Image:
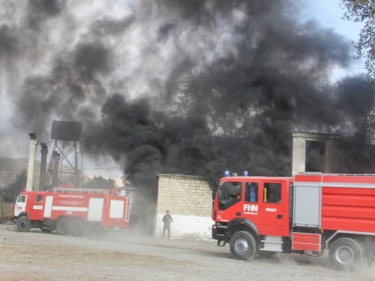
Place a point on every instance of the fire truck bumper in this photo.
(214, 232)
(220, 237)
(218, 233)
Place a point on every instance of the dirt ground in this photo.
(120, 255)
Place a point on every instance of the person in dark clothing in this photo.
(167, 219)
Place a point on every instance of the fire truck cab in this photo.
(304, 214)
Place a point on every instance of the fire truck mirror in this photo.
(213, 193)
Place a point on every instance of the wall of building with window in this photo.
(189, 201)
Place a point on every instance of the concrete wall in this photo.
(189, 201)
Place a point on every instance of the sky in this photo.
(327, 12)
(330, 14)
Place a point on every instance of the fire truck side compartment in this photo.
(307, 204)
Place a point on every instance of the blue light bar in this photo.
(245, 173)
(226, 173)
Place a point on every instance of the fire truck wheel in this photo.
(346, 253)
(77, 228)
(62, 227)
(23, 224)
(242, 245)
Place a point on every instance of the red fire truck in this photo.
(305, 214)
(72, 210)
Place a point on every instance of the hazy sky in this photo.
(329, 14)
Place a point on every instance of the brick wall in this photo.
(189, 201)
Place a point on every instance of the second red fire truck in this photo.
(72, 211)
(308, 213)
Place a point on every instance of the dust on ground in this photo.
(121, 255)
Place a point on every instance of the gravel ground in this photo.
(120, 255)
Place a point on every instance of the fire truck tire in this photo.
(77, 228)
(62, 227)
(23, 224)
(346, 254)
(242, 245)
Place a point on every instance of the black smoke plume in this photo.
(187, 87)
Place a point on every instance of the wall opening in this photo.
(315, 156)
(314, 152)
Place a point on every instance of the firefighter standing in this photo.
(167, 219)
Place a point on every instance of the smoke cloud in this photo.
(188, 87)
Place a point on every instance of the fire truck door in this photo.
(230, 202)
(116, 209)
(48, 207)
(20, 204)
(95, 212)
(38, 206)
(273, 209)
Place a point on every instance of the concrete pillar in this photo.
(43, 166)
(31, 164)
(299, 155)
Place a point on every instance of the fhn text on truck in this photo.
(307, 213)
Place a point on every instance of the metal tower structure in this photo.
(63, 168)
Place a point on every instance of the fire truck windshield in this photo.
(21, 199)
(229, 194)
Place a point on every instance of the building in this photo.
(189, 200)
